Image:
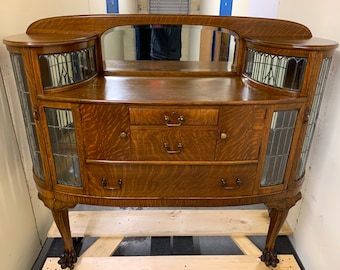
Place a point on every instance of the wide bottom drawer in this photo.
(169, 181)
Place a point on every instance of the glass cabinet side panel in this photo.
(278, 147)
(61, 69)
(285, 72)
(64, 146)
(320, 87)
(26, 106)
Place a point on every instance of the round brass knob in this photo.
(224, 136)
(123, 135)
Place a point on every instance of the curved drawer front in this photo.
(170, 181)
(173, 116)
(155, 143)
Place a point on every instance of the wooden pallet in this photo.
(112, 226)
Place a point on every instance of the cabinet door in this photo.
(106, 131)
(240, 132)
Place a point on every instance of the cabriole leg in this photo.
(60, 215)
(278, 215)
(277, 218)
(69, 258)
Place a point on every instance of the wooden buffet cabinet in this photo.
(231, 125)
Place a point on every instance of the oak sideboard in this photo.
(169, 111)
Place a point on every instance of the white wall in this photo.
(24, 219)
(317, 235)
(127, 6)
(18, 230)
(263, 8)
(209, 7)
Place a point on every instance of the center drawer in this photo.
(170, 144)
(170, 181)
(173, 116)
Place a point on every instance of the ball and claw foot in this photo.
(269, 258)
(68, 259)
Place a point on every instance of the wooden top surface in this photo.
(244, 26)
(47, 39)
(68, 29)
(306, 44)
(168, 91)
(96, 25)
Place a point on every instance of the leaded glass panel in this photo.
(64, 146)
(67, 68)
(25, 101)
(280, 71)
(320, 87)
(278, 148)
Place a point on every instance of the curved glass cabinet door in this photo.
(64, 146)
(26, 107)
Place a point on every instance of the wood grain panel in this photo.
(198, 143)
(156, 116)
(243, 126)
(102, 126)
(254, 27)
(216, 262)
(169, 181)
(160, 222)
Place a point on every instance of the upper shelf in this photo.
(170, 90)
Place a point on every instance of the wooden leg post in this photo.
(278, 214)
(277, 218)
(69, 258)
(60, 215)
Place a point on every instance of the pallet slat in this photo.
(239, 262)
(246, 246)
(168, 223)
(103, 247)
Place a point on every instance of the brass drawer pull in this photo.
(104, 184)
(167, 148)
(238, 184)
(167, 121)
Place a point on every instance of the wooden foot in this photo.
(269, 258)
(67, 260)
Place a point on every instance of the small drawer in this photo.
(173, 116)
(170, 181)
(184, 143)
